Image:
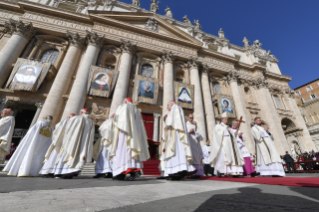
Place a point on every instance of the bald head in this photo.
(6, 112)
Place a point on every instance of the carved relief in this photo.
(154, 6)
(168, 57)
(168, 12)
(127, 46)
(93, 39)
(99, 113)
(75, 39)
(19, 28)
(152, 24)
(193, 63)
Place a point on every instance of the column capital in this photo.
(156, 115)
(168, 57)
(261, 82)
(127, 47)
(232, 76)
(75, 39)
(94, 40)
(205, 70)
(193, 63)
(39, 104)
(19, 28)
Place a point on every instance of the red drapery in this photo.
(149, 126)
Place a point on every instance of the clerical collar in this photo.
(207, 145)
(234, 128)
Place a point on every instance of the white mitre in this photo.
(225, 115)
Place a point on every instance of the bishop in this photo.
(7, 123)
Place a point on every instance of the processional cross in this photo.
(239, 123)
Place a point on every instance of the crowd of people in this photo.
(122, 147)
(301, 162)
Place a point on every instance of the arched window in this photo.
(216, 88)
(277, 101)
(49, 56)
(110, 62)
(179, 76)
(147, 70)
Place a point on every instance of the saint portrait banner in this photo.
(226, 104)
(28, 75)
(101, 81)
(184, 95)
(145, 90)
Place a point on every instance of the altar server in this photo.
(77, 148)
(177, 152)
(27, 159)
(268, 161)
(194, 139)
(129, 147)
(7, 123)
(225, 155)
(103, 166)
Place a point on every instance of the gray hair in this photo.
(233, 121)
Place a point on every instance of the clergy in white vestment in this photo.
(27, 159)
(103, 166)
(77, 146)
(226, 157)
(177, 152)
(268, 161)
(248, 167)
(194, 139)
(7, 123)
(206, 151)
(54, 150)
(129, 147)
(161, 147)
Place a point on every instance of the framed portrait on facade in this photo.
(145, 90)
(101, 81)
(184, 95)
(226, 104)
(28, 75)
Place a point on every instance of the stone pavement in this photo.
(148, 194)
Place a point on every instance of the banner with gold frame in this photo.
(101, 81)
(184, 95)
(226, 104)
(145, 90)
(28, 75)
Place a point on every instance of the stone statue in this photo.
(152, 24)
(168, 12)
(154, 6)
(197, 25)
(186, 20)
(221, 33)
(136, 3)
(91, 4)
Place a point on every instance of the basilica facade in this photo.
(57, 57)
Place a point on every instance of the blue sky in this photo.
(289, 28)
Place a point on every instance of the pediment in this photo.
(138, 21)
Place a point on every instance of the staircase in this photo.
(151, 167)
(88, 169)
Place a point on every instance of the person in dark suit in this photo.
(290, 162)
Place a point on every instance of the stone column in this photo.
(240, 106)
(157, 117)
(78, 92)
(35, 49)
(199, 113)
(54, 101)
(37, 114)
(21, 33)
(208, 103)
(168, 80)
(3, 104)
(120, 92)
(271, 117)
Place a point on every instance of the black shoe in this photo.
(120, 177)
(109, 175)
(99, 175)
(219, 174)
(161, 178)
(68, 177)
(136, 174)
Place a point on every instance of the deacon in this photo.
(194, 139)
(77, 146)
(27, 159)
(268, 161)
(54, 150)
(225, 155)
(103, 166)
(248, 167)
(7, 123)
(177, 152)
(129, 147)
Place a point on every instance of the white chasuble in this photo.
(100, 152)
(196, 148)
(27, 159)
(225, 155)
(268, 161)
(240, 142)
(54, 149)
(78, 142)
(6, 130)
(129, 147)
(178, 155)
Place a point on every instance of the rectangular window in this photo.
(313, 96)
(309, 88)
(302, 100)
(277, 101)
(297, 93)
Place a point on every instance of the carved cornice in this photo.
(94, 40)
(168, 57)
(127, 47)
(193, 63)
(19, 28)
(205, 70)
(76, 40)
(261, 82)
(232, 76)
